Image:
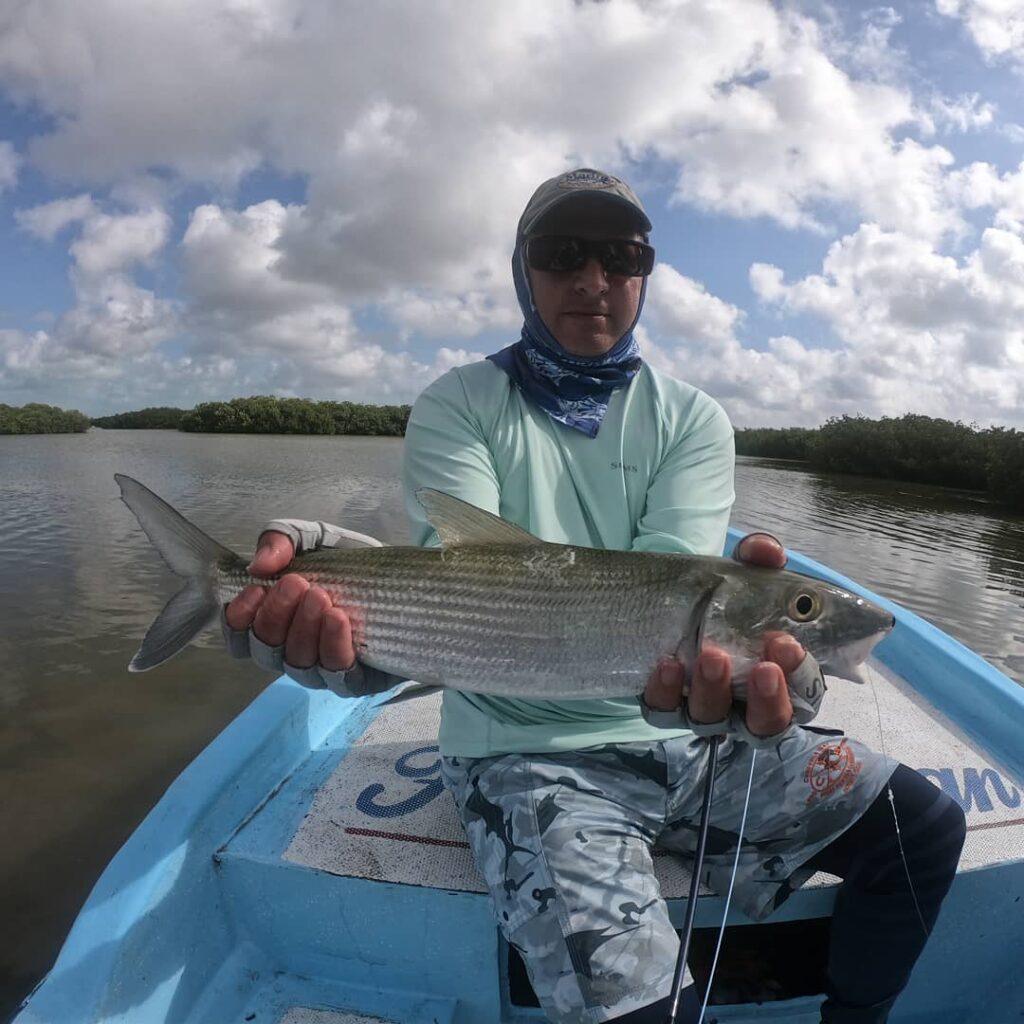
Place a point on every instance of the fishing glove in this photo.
(806, 689)
(358, 681)
(806, 684)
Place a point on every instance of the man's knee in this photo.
(931, 822)
(657, 1013)
(932, 828)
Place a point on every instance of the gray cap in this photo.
(584, 181)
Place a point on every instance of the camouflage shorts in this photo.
(564, 842)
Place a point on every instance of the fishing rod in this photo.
(698, 865)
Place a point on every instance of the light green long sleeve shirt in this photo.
(658, 477)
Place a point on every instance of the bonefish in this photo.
(495, 610)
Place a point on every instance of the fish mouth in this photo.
(848, 661)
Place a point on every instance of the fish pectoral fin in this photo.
(458, 522)
(851, 673)
(411, 690)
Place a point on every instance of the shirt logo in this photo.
(831, 767)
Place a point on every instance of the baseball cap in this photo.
(584, 181)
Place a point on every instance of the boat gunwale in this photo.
(221, 788)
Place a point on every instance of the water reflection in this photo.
(953, 557)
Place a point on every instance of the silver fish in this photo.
(496, 610)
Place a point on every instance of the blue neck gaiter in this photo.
(574, 390)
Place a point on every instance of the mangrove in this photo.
(264, 414)
(155, 417)
(912, 448)
(36, 418)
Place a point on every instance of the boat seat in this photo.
(383, 814)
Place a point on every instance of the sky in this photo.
(206, 199)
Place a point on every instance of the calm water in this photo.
(86, 748)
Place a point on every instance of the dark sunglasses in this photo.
(560, 253)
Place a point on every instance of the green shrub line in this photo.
(259, 414)
(36, 418)
(912, 448)
(265, 414)
(155, 417)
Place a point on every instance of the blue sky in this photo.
(208, 199)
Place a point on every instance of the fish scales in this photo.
(590, 626)
(498, 611)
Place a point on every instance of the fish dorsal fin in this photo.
(458, 522)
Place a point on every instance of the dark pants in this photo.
(877, 933)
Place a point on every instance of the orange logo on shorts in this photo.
(832, 766)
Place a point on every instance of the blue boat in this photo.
(307, 868)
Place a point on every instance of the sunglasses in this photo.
(558, 253)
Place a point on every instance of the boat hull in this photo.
(225, 903)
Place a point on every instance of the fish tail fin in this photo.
(188, 552)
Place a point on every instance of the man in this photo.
(571, 435)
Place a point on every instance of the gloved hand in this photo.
(293, 626)
(786, 688)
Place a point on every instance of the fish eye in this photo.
(804, 605)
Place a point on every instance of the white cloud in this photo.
(680, 307)
(870, 51)
(47, 220)
(296, 336)
(9, 164)
(246, 328)
(292, 334)
(800, 133)
(109, 243)
(113, 317)
(963, 114)
(914, 331)
(692, 334)
(980, 185)
(921, 331)
(996, 26)
(231, 264)
(782, 381)
(411, 174)
(760, 119)
(437, 314)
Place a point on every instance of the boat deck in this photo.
(308, 868)
(360, 859)
(382, 813)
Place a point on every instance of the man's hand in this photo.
(292, 612)
(708, 693)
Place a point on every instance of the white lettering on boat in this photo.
(974, 794)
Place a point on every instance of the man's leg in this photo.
(657, 1013)
(563, 842)
(878, 931)
(808, 791)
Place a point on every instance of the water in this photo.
(86, 748)
(954, 557)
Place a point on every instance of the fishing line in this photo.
(732, 882)
(895, 817)
(698, 866)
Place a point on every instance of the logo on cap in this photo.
(587, 179)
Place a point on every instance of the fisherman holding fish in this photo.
(571, 435)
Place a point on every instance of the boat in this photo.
(307, 868)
